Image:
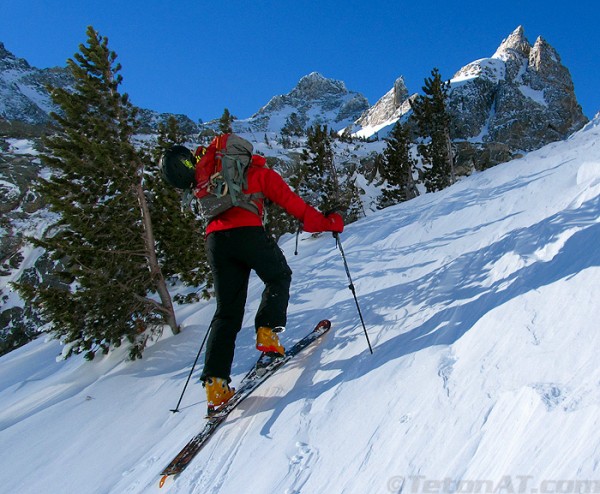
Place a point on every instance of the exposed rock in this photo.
(25, 102)
(389, 109)
(315, 100)
(520, 99)
(532, 104)
(24, 92)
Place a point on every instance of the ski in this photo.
(264, 368)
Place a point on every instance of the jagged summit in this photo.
(23, 89)
(543, 58)
(314, 86)
(315, 100)
(515, 46)
(8, 61)
(4, 53)
(519, 99)
(388, 109)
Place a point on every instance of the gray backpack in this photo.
(221, 177)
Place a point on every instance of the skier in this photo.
(237, 243)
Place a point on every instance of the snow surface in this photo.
(481, 305)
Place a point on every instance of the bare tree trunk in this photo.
(410, 188)
(450, 155)
(161, 285)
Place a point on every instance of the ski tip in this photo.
(324, 324)
(162, 481)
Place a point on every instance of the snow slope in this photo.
(481, 305)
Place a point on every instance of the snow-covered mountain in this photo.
(315, 100)
(392, 106)
(519, 99)
(25, 99)
(522, 96)
(480, 301)
(23, 93)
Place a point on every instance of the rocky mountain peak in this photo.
(315, 100)
(400, 91)
(4, 53)
(518, 100)
(391, 107)
(314, 86)
(544, 59)
(513, 47)
(9, 61)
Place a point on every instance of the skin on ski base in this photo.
(252, 381)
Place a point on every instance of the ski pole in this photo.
(351, 287)
(176, 409)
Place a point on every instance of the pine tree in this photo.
(397, 168)
(179, 238)
(104, 237)
(170, 133)
(433, 123)
(293, 127)
(317, 180)
(225, 122)
(352, 204)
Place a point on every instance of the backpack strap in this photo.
(235, 190)
(251, 202)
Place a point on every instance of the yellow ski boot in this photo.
(218, 393)
(267, 341)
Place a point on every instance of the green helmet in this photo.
(178, 166)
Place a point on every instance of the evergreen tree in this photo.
(104, 237)
(433, 123)
(225, 122)
(169, 133)
(398, 168)
(179, 237)
(317, 180)
(277, 221)
(351, 202)
(293, 127)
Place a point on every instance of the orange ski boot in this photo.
(218, 393)
(267, 341)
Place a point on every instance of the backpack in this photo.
(221, 177)
(178, 166)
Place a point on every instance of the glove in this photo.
(337, 222)
(315, 222)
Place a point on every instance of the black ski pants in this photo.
(232, 255)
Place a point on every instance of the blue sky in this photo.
(198, 57)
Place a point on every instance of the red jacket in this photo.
(273, 187)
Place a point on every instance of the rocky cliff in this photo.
(24, 96)
(522, 97)
(386, 112)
